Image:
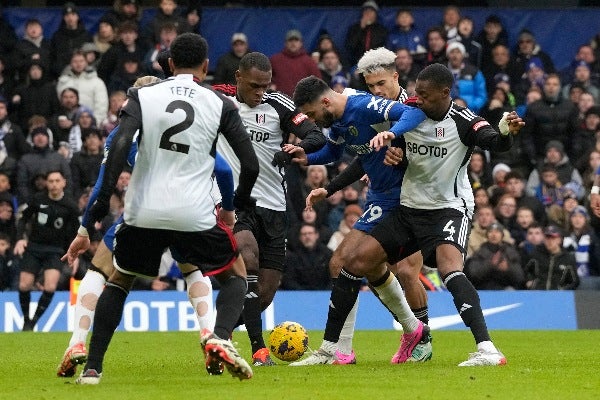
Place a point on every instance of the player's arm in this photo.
(329, 153)
(233, 130)
(116, 157)
(407, 118)
(300, 125)
(224, 177)
(353, 172)
(483, 135)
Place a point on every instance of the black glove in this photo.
(281, 159)
(97, 212)
(244, 203)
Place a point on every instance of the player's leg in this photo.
(26, 281)
(270, 231)
(345, 353)
(466, 300)
(51, 277)
(200, 295)
(407, 271)
(89, 291)
(137, 251)
(390, 241)
(444, 235)
(342, 300)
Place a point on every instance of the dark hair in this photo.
(312, 225)
(53, 171)
(5, 237)
(437, 74)
(70, 89)
(513, 175)
(189, 50)
(163, 60)
(255, 60)
(440, 30)
(309, 89)
(534, 225)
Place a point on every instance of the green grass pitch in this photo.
(151, 365)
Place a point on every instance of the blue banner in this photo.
(171, 311)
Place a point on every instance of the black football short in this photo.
(138, 251)
(406, 230)
(269, 227)
(39, 257)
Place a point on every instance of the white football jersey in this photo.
(171, 183)
(438, 154)
(264, 126)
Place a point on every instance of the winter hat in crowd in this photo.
(69, 8)
(555, 144)
(526, 36)
(495, 226)
(500, 167)
(552, 231)
(535, 62)
(580, 210)
(3, 99)
(40, 130)
(370, 4)
(456, 45)
(339, 80)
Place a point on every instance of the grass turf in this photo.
(154, 365)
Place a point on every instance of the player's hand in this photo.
(513, 122)
(595, 204)
(315, 196)
(382, 139)
(365, 179)
(20, 247)
(298, 154)
(281, 159)
(74, 267)
(227, 217)
(77, 247)
(393, 156)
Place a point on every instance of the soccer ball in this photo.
(288, 341)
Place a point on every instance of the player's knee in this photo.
(335, 265)
(89, 301)
(198, 289)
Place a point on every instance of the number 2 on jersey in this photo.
(165, 138)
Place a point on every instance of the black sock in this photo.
(251, 314)
(466, 301)
(229, 304)
(24, 300)
(343, 296)
(422, 314)
(43, 304)
(109, 311)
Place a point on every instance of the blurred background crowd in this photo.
(61, 91)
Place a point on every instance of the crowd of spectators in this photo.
(60, 93)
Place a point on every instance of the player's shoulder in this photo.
(278, 100)
(459, 113)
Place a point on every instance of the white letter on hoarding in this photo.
(128, 316)
(163, 315)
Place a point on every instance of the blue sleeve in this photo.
(224, 178)
(329, 153)
(98, 184)
(407, 118)
(598, 170)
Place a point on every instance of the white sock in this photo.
(344, 343)
(391, 294)
(199, 289)
(328, 347)
(90, 288)
(487, 347)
